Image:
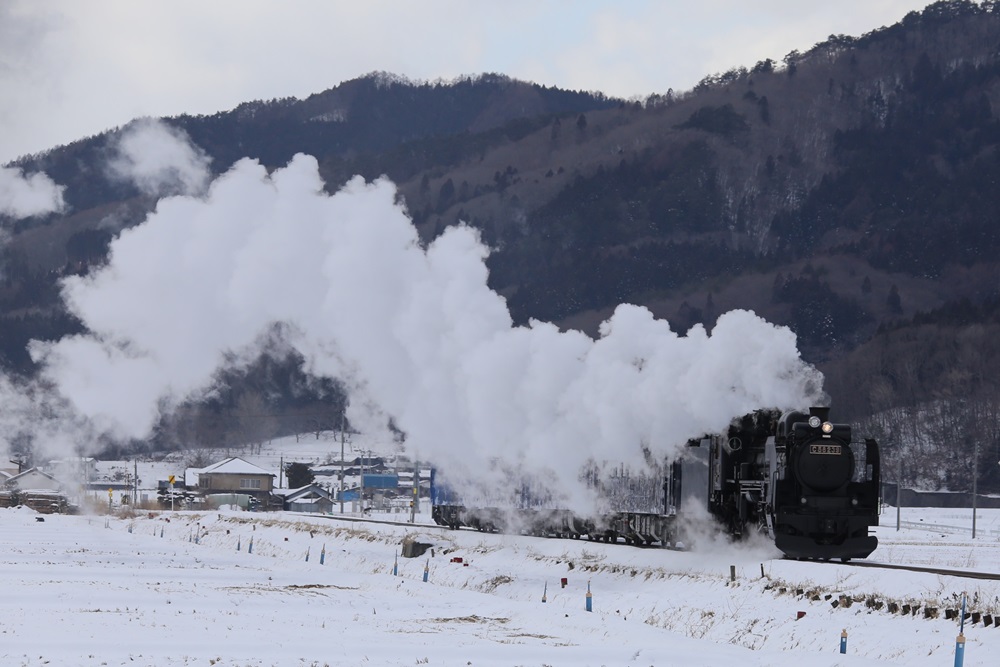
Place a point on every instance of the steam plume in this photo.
(413, 331)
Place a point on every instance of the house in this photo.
(234, 475)
(81, 469)
(309, 498)
(34, 479)
(36, 489)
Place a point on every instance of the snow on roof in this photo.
(308, 501)
(307, 490)
(30, 473)
(235, 466)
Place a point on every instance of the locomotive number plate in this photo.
(824, 449)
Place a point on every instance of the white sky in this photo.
(70, 69)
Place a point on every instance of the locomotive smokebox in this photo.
(822, 413)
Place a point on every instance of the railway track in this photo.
(966, 574)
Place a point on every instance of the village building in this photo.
(310, 498)
(234, 477)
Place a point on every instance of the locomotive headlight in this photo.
(814, 422)
(827, 428)
(854, 501)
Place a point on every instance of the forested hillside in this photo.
(849, 191)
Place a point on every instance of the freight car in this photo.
(639, 509)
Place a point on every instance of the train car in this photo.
(799, 478)
(637, 508)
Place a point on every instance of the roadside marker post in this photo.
(960, 641)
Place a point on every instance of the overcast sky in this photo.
(69, 69)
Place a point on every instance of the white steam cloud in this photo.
(27, 196)
(414, 331)
(159, 159)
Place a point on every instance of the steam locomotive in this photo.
(799, 478)
(796, 477)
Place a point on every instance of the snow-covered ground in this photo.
(186, 589)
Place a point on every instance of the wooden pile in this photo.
(43, 502)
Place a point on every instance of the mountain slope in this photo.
(848, 192)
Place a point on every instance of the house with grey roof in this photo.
(309, 498)
(235, 476)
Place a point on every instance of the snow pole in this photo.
(545, 591)
(307, 554)
(239, 543)
(427, 569)
(590, 599)
(960, 641)
(250, 546)
(843, 641)
(395, 566)
(161, 531)
(322, 555)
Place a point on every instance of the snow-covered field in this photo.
(186, 589)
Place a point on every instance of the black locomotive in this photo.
(795, 477)
(800, 479)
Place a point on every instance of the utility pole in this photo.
(341, 462)
(361, 495)
(415, 505)
(899, 488)
(975, 484)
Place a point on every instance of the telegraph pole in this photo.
(975, 485)
(341, 462)
(415, 505)
(899, 488)
(361, 495)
